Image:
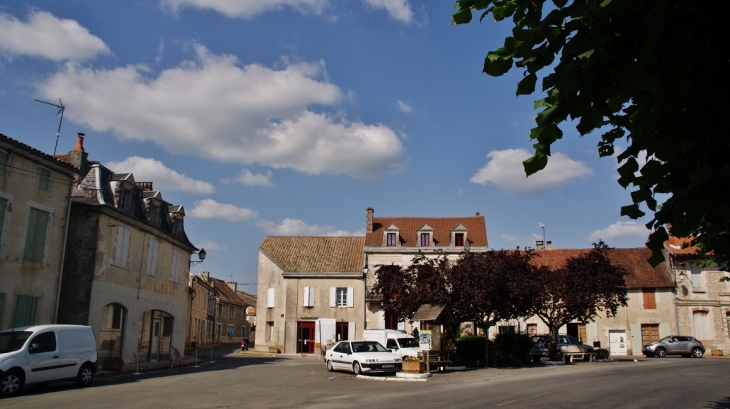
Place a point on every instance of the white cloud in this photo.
(247, 8)
(163, 178)
(399, 10)
(47, 36)
(210, 209)
(405, 106)
(620, 231)
(504, 169)
(246, 177)
(214, 108)
(294, 227)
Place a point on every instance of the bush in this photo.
(512, 349)
(601, 353)
(470, 350)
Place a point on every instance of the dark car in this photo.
(541, 346)
(675, 345)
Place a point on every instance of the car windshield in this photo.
(13, 341)
(408, 342)
(368, 347)
(665, 339)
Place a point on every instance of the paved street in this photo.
(246, 381)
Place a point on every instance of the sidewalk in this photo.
(188, 360)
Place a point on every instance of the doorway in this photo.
(617, 342)
(305, 337)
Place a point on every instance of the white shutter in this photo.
(125, 250)
(351, 330)
(350, 294)
(309, 296)
(270, 298)
(175, 273)
(121, 252)
(333, 296)
(152, 247)
(381, 319)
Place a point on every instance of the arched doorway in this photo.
(155, 336)
(111, 335)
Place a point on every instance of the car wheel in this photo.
(660, 353)
(329, 366)
(85, 376)
(356, 368)
(11, 382)
(697, 353)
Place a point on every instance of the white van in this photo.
(397, 341)
(43, 353)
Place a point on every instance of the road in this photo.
(245, 381)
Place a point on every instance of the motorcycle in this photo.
(244, 345)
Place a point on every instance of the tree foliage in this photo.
(650, 71)
(578, 291)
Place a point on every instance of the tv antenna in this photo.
(61, 108)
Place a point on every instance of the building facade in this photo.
(311, 293)
(231, 323)
(126, 264)
(34, 205)
(201, 326)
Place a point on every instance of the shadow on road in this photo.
(723, 403)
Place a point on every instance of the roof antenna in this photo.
(61, 108)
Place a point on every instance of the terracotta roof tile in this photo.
(641, 273)
(675, 246)
(315, 254)
(226, 293)
(442, 226)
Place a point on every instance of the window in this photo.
(4, 159)
(230, 331)
(649, 333)
(243, 332)
(341, 297)
(308, 297)
(391, 240)
(425, 239)
(121, 252)
(44, 179)
(175, 271)
(270, 298)
(125, 199)
(231, 313)
(45, 342)
(153, 247)
(35, 239)
(696, 277)
(167, 326)
(219, 310)
(25, 307)
(459, 239)
(507, 329)
(649, 299)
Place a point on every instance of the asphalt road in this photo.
(245, 381)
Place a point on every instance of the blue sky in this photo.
(291, 117)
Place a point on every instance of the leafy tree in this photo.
(578, 291)
(651, 71)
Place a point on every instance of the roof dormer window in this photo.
(425, 236)
(458, 236)
(391, 236)
(124, 202)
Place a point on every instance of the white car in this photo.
(362, 357)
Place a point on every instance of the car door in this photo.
(684, 343)
(43, 357)
(342, 356)
(674, 346)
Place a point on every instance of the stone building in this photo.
(231, 323)
(34, 205)
(202, 312)
(126, 264)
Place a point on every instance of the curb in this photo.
(383, 379)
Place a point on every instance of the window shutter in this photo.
(35, 240)
(270, 298)
(350, 294)
(351, 330)
(309, 296)
(25, 308)
(125, 242)
(152, 249)
(649, 299)
(333, 296)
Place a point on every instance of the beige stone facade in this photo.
(34, 205)
(310, 293)
(201, 326)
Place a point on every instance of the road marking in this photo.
(519, 400)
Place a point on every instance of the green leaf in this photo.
(627, 171)
(632, 211)
(527, 85)
(546, 115)
(534, 164)
(641, 195)
(587, 54)
(540, 103)
(496, 65)
(701, 176)
(462, 16)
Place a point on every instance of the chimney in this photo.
(369, 220)
(233, 285)
(205, 275)
(77, 157)
(539, 245)
(549, 245)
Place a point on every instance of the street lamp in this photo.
(201, 256)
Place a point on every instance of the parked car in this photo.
(397, 341)
(362, 357)
(40, 354)
(675, 345)
(541, 346)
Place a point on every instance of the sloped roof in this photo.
(249, 299)
(675, 246)
(442, 226)
(437, 313)
(225, 293)
(315, 254)
(641, 273)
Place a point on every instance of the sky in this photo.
(292, 117)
